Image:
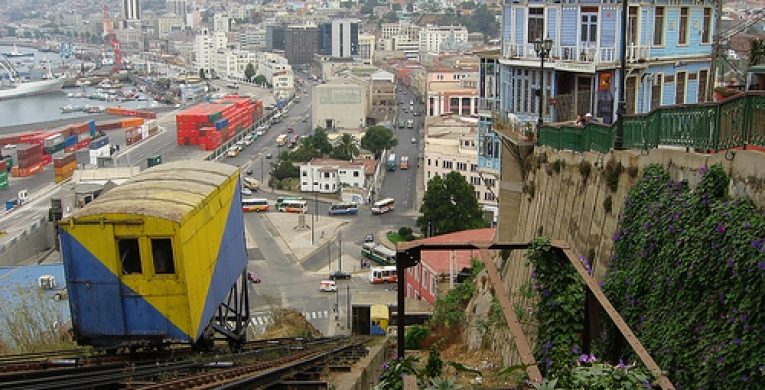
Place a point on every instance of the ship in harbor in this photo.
(16, 53)
(12, 85)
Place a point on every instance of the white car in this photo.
(246, 191)
(414, 140)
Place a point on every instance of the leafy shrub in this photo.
(608, 203)
(406, 233)
(414, 336)
(611, 173)
(435, 365)
(585, 167)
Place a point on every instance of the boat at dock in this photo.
(14, 86)
(15, 53)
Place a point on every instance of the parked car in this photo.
(369, 238)
(414, 140)
(253, 277)
(335, 275)
(269, 155)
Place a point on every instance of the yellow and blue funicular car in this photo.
(160, 259)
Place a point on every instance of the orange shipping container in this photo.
(66, 169)
(60, 178)
(114, 110)
(131, 122)
(28, 171)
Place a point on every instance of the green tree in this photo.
(202, 74)
(284, 168)
(306, 150)
(346, 148)
(377, 139)
(396, 7)
(260, 80)
(249, 71)
(321, 141)
(449, 205)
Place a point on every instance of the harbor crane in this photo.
(113, 41)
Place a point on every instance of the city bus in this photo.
(254, 204)
(343, 208)
(282, 199)
(380, 254)
(391, 165)
(282, 140)
(294, 206)
(383, 274)
(383, 206)
(404, 162)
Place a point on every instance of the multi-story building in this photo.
(206, 44)
(367, 48)
(328, 176)
(339, 104)
(339, 38)
(176, 7)
(277, 71)
(251, 38)
(231, 64)
(382, 91)
(451, 89)
(451, 144)
(301, 43)
(444, 39)
(167, 23)
(276, 37)
(131, 9)
(667, 60)
(221, 22)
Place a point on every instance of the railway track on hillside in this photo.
(261, 364)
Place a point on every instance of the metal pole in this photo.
(712, 78)
(542, 55)
(348, 301)
(340, 255)
(316, 205)
(621, 108)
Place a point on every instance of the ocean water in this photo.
(47, 107)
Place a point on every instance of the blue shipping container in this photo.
(221, 124)
(99, 142)
(70, 140)
(92, 125)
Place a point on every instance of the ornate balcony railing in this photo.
(735, 123)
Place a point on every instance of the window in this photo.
(536, 24)
(682, 35)
(428, 162)
(632, 27)
(475, 180)
(162, 253)
(355, 173)
(473, 167)
(130, 256)
(433, 284)
(326, 175)
(706, 32)
(478, 194)
(461, 166)
(489, 182)
(305, 173)
(703, 76)
(656, 91)
(680, 82)
(488, 196)
(448, 164)
(589, 26)
(658, 27)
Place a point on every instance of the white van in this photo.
(328, 285)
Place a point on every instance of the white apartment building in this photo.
(367, 48)
(451, 144)
(221, 23)
(443, 39)
(206, 45)
(328, 176)
(277, 71)
(251, 38)
(231, 64)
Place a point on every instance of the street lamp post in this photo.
(543, 48)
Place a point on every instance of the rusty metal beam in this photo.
(594, 288)
(527, 357)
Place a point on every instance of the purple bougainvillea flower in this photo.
(720, 228)
(744, 378)
(737, 341)
(583, 358)
(730, 263)
(575, 350)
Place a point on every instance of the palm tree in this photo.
(347, 148)
(306, 150)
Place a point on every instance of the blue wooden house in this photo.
(668, 57)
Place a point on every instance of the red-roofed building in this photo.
(425, 281)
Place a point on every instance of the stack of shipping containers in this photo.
(3, 174)
(28, 159)
(64, 166)
(210, 125)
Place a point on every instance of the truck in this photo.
(233, 151)
(281, 140)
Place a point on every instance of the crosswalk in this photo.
(261, 320)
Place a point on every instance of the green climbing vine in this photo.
(688, 276)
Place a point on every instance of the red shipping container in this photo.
(127, 112)
(29, 150)
(80, 128)
(71, 149)
(3, 165)
(83, 144)
(9, 140)
(46, 159)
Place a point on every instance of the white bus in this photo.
(293, 206)
(254, 204)
(383, 275)
(383, 206)
(343, 208)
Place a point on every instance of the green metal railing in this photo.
(735, 123)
